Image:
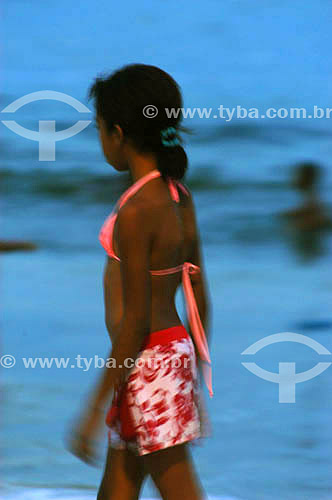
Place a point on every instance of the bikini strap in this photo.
(183, 189)
(136, 186)
(173, 184)
(195, 323)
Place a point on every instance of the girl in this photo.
(153, 245)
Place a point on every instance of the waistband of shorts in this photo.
(161, 337)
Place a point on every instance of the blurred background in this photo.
(268, 266)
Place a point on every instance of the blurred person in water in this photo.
(308, 222)
(312, 213)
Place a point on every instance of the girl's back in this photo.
(175, 240)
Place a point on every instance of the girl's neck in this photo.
(141, 164)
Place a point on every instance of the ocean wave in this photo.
(68, 494)
(257, 131)
(84, 184)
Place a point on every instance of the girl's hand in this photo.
(82, 439)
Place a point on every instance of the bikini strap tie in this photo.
(196, 324)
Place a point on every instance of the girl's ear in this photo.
(117, 130)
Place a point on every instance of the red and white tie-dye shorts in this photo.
(161, 404)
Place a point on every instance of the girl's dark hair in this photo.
(123, 98)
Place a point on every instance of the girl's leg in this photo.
(173, 473)
(123, 476)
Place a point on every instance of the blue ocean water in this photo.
(263, 279)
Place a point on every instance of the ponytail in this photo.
(172, 162)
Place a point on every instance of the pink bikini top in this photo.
(187, 268)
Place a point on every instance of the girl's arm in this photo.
(134, 242)
(112, 318)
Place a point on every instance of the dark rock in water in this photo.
(11, 246)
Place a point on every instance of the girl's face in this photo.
(113, 145)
